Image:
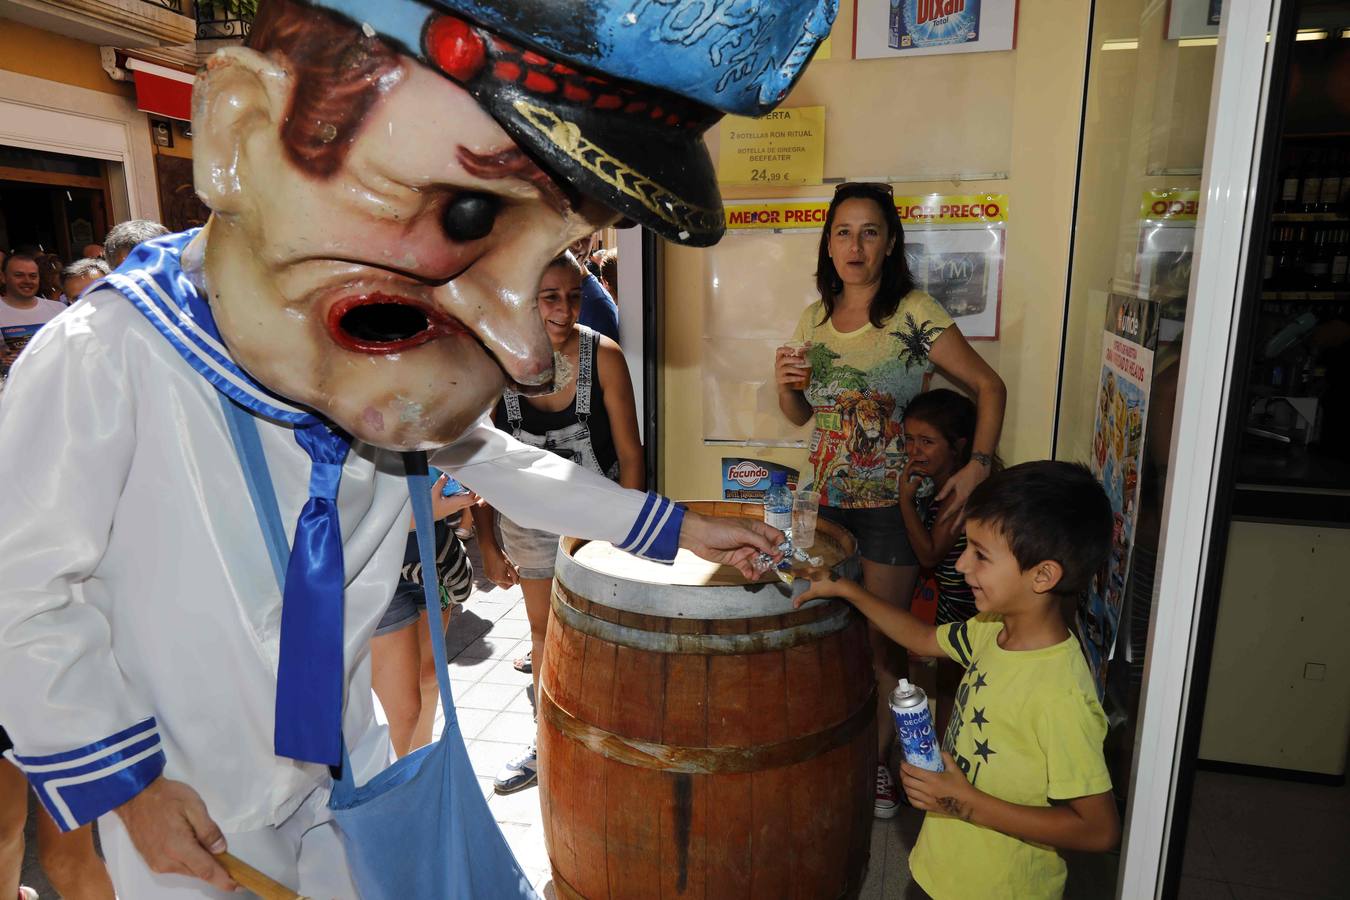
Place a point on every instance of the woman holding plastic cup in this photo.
(856, 359)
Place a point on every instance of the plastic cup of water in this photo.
(805, 509)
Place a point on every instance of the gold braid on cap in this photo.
(567, 137)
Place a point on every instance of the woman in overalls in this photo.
(590, 418)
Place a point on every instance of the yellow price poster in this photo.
(787, 146)
(1175, 204)
(924, 210)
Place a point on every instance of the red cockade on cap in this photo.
(462, 52)
(455, 47)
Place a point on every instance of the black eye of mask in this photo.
(470, 217)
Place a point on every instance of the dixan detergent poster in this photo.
(747, 480)
(933, 23)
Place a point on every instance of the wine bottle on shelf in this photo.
(1286, 263)
(1311, 191)
(1340, 260)
(1343, 204)
(1272, 254)
(1289, 187)
(1319, 262)
(1329, 200)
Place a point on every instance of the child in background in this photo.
(939, 429)
(1024, 771)
(402, 668)
(939, 433)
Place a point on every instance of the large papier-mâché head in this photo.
(390, 177)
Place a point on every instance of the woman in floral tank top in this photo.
(859, 355)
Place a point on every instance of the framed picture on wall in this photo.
(962, 268)
(889, 28)
(1193, 18)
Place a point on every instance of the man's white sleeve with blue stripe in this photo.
(77, 786)
(541, 490)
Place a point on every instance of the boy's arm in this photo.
(1090, 824)
(898, 624)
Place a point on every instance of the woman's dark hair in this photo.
(951, 413)
(896, 280)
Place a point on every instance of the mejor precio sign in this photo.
(1172, 204)
(928, 209)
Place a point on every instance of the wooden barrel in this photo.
(703, 739)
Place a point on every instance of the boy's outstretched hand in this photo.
(824, 583)
(945, 792)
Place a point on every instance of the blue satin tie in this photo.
(310, 673)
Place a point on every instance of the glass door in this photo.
(1170, 149)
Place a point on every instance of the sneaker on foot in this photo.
(887, 797)
(524, 664)
(520, 772)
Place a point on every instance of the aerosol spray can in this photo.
(914, 724)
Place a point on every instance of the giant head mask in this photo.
(389, 178)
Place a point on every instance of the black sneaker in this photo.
(519, 773)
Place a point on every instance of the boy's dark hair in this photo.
(1049, 510)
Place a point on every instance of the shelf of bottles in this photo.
(1306, 270)
(1308, 251)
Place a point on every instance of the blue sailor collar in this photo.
(163, 280)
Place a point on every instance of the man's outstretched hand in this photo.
(172, 831)
(731, 541)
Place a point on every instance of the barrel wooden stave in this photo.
(621, 831)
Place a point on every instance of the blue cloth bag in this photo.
(421, 829)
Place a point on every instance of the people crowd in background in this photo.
(36, 285)
(599, 312)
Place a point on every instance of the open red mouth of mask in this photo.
(385, 323)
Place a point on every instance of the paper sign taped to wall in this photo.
(786, 146)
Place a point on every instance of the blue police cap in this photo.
(613, 96)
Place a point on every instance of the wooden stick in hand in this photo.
(264, 886)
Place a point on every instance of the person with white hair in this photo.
(125, 236)
(76, 277)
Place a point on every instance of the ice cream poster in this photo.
(920, 27)
(1117, 457)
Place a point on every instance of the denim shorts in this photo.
(880, 531)
(532, 551)
(409, 602)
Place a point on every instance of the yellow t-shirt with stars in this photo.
(1026, 728)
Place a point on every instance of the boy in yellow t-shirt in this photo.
(1024, 772)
